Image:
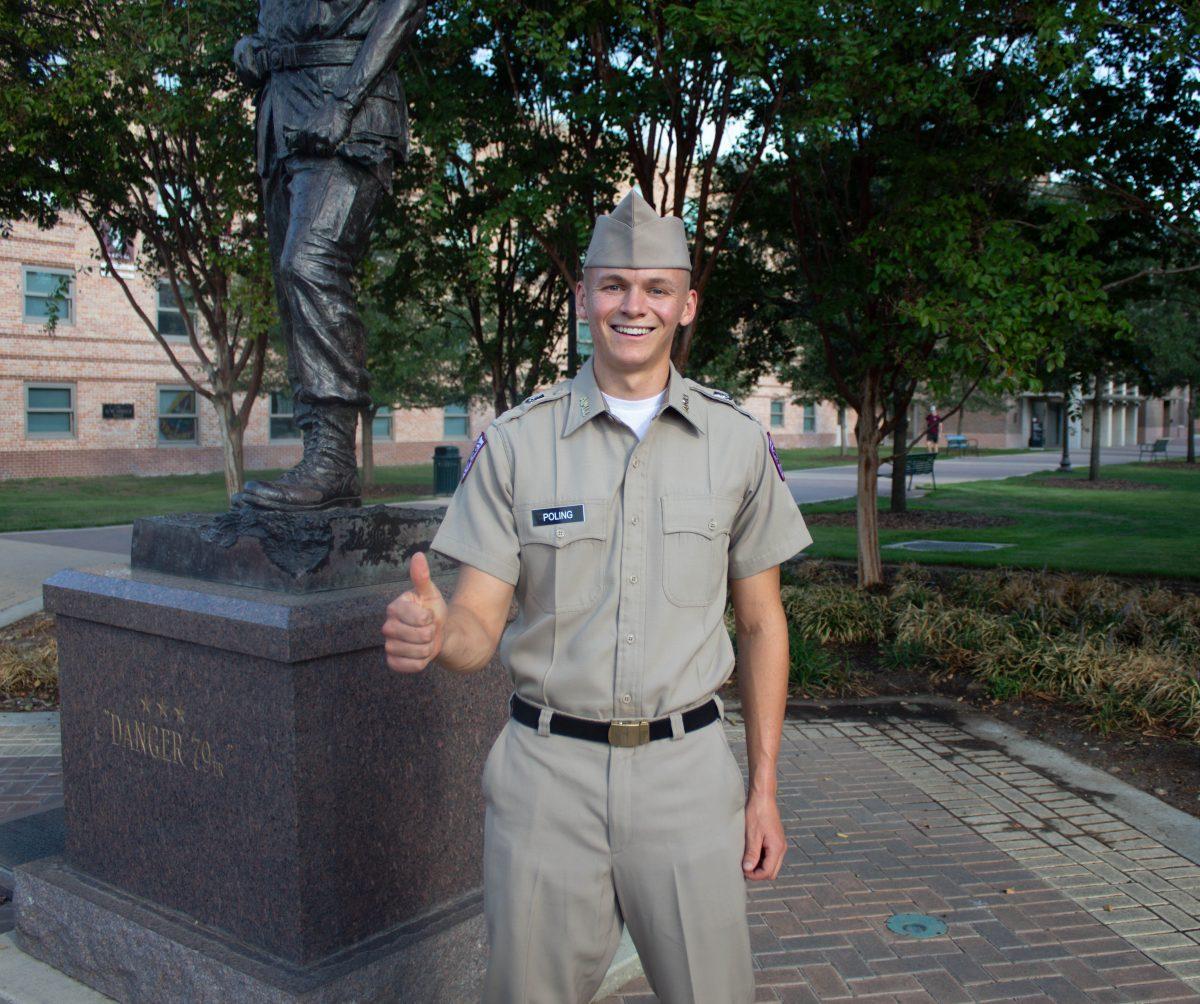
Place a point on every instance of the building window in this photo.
(50, 410)
(171, 324)
(283, 426)
(455, 424)
(49, 295)
(381, 425)
(776, 414)
(810, 418)
(176, 415)
(583, 340)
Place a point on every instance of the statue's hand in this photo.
(325, 131)
(249, 60)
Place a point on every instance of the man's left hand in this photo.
(765, 840)
(325, 131)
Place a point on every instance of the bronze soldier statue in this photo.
(331, 121)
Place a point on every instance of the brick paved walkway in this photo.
(1046, 897)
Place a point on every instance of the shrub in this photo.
(839, 614)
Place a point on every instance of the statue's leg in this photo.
(332, 204)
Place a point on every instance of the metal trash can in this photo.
(447, 469)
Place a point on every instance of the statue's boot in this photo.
(327, 475)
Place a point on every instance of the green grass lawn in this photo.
(803, 458)
(57, 503)
(1154, 532)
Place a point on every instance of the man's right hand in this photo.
(416, 621)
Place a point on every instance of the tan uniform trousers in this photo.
(581, 836)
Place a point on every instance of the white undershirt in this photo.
(636, 414)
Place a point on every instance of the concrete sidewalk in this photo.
(29, 558)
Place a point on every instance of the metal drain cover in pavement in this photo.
(916, 925)
(945, 545)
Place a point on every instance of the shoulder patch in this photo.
(775, 457)
(535, 400)
(480, 443)
(713, 394)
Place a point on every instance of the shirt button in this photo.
(712, 525)
(629, 638)
(560, 532)
(634, 521)
(636, 461)
(626, 698)
(633, 578)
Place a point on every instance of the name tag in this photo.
(559, 514)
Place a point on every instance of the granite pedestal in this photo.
(256, 808)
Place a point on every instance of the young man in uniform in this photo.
(619, 506)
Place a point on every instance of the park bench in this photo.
(1152, 450)
(961, 443)
(918, 463)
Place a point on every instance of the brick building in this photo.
(97, 395)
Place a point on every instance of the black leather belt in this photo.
(300, 54)
(622, 732)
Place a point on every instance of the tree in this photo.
(414, 361)
(510, 168)
(127, 113)
(909, 143)
(687, 84)
(1167, 328)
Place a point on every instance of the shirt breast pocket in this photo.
(563, 560)
(696, 546)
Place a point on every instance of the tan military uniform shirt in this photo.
(620, 550)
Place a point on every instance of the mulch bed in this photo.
(923, 520)
(1107, 484)
(24, 644)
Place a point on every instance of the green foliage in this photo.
(480, 250)
(833, 613)
(127, 112)
(1128, 656)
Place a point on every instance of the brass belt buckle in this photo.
(629, 732)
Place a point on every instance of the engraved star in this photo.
(179, 715)
(145, 702)
(162, 708)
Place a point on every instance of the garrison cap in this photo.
(634, 236)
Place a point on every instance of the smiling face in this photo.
(633, 314)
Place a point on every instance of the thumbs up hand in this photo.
(416, 621)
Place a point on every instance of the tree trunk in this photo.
(899, 501)
(231, 444)
(1064, 463)
(842, 430)
(1191, 423)
(870, 565)
(368, 448)
(1097, 401)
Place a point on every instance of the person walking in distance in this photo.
(933, 429)
(618, 508)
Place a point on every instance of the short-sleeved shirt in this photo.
(620, 550)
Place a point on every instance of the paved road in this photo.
(824, 484)
(28, 559)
